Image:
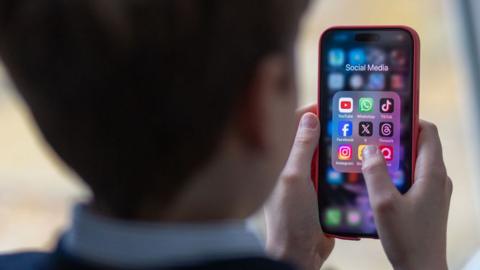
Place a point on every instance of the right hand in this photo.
(412, 227)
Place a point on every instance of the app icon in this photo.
(356, 57)
(397, 82)
(365, 129)
(398, 58)
(336, 81)
(360, 151)
(354, 218)
(345, 152)
(336, 57)
(398, 178)
(386, 105)
(365, 104)
(352, 178)
(376, 81)
(334, 178)
(387, 152)
(400, 37)
(333, 217)
(340, 37)
(356, 81)
(386, 129)
(345, 128)
(345, 105)
(376, 56)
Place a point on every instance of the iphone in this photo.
(367, 95)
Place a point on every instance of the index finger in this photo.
(308, 108)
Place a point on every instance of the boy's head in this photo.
(156, 104)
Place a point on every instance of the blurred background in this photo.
(37, 191)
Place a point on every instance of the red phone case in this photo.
(416, 90)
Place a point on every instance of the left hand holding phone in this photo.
(293, 230)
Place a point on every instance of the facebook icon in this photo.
(345, 128)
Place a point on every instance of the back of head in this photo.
(134, 94)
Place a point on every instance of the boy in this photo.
(179, 115)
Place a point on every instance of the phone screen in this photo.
(365, 98)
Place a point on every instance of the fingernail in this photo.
(309, 121)
(369, 151)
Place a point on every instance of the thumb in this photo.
(381, 190)
(306, 141)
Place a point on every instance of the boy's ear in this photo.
(260, 100)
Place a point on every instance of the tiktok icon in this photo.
(386, 105)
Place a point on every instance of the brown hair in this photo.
(134, 94)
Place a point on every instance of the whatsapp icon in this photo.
(365, 104)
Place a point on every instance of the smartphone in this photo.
(367, 95)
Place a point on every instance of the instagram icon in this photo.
(345, 152)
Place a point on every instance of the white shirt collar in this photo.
(114, 242)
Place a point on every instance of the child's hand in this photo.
(293, 228)
(412, 227)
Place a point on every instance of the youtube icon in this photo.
(345, 105)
